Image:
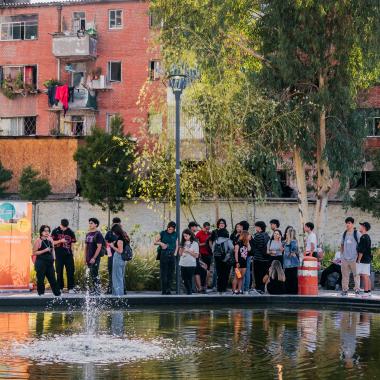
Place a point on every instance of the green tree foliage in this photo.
(368, 198)
(5, 176)
(294, 66)
(32, 186)
(105, 163)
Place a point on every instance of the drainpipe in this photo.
(59, 19)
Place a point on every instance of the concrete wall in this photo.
(153, 220)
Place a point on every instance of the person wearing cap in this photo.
(363, 266)
(261, 260)
(167, 242)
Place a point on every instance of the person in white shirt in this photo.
(334, 267)
(311, 240)
(189, 252)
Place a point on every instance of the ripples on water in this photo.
(204, 344)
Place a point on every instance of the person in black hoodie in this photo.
(221, 245)
(261, 260)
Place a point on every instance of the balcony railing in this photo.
(71, 125)
(77, 46)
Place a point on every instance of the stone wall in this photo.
(150, 220)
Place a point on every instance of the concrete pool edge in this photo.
(35, 303)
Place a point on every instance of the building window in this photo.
(79, 21)
(20, 76)
(20, 27)
(368, 180)
(114, 71)
(373, 126)
(18, 126)
(154, 70)
(109, 118)
(115, 19)
(155, 21)
(155, 123)
(77, 125)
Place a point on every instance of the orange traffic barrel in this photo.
(308, 277)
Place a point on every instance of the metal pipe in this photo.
(177, 179)
(59, 19)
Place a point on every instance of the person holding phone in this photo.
(43, 250)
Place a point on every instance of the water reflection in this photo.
(229, 343)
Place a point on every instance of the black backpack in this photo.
(127, 254)
(355, 236)
(219, 250)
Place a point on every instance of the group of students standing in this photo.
(269, 262)
(52, 254)
(274, 258)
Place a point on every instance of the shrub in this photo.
(32, 187)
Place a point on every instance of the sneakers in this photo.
(72, 291)
(366, 294)
(344, 293)
(357, 293)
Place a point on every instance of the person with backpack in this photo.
(261, 260)
(334, 267)
(222, 250)
(110, 238)
(364, 258)
(63, 238)
(189, 252)
(349, 255)
(118, 266)
(167, 242)
(205, 254)
(94, 249)
(43, 251)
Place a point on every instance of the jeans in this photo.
(247, 275)
(45, 268)
(167, 268)
(260, 269)
(333, 268)
(118, 273)
(187, 274)
(222, 272)
(109, 267)
(94, 275)
(347, 267)
(65, 260)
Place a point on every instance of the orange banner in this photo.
(15, 244)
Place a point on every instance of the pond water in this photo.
(237, 343)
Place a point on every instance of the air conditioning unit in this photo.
(99, 84)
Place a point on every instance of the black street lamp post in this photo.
(179, 78)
